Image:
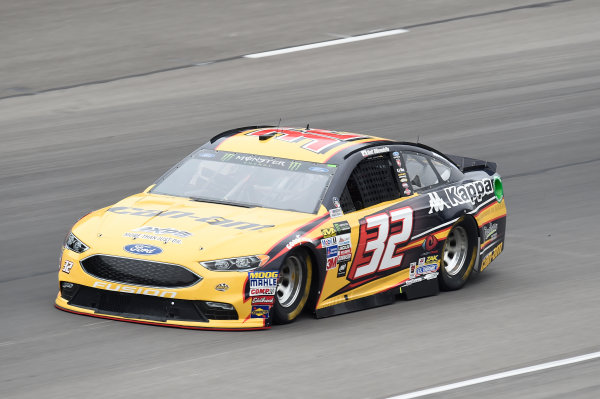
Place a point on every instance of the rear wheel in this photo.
(458, 258)
(293, 286)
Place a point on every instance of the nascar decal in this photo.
(213, 220)
(318, 141)
(471, 193)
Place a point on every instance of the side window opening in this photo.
(443, 170)
(420, 171)
(372, 182)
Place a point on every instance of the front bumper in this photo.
(192, 307)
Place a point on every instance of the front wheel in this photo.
(458, 258)
(293, 286)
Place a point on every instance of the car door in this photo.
(376, 208)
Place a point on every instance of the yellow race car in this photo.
(262, 222)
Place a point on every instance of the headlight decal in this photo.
(75, 244)
(242, 263)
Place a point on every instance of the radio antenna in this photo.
(307, 126)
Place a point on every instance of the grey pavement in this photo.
(496, 80)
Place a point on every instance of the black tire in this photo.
(293, 287)
(459, 254)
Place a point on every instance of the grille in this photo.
(140, 272)
(145, 306)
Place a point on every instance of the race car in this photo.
(262, 222)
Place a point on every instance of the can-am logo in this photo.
(471, 193)
(142, 249)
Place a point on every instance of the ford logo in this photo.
(317, 169)
(142, 249)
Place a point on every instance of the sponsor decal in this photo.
(142, 249)
(343, 239)
(489, 232)
(407, 192)
(429, 276)
(259, 312)
(296, 241)
(491, 256)
(424, 269)
(213, 220)
(328, 242)
(345, 254)
(314, 140)
(165, 240)
(405, 185)
(162, 231)
(430, 243)
(336, 213)
(134, 290)
(415, 270)
(263, 279)
(336, 202)
(206, 155)
(262, 291)
(342, 267)
(331, 263)
(255, 160)
(332, 251)
(157, 233)
(398, 162)
(396, 154)
(67, 265)
(318, 169)
(294, 165)
(468, 193)
(342, 227)
(222, 287)
(373, 151)
(328, 232)
(263, 300)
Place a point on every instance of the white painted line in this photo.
(327, 43)
(493, 377)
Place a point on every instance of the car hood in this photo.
(186, 230)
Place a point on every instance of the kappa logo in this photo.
(472, 193)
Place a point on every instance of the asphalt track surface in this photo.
(513, 82)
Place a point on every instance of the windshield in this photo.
(248, 180)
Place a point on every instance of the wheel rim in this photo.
(289, 282)
(455, 250)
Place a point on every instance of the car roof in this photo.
(303, 144)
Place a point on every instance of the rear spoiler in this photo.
(468, 164)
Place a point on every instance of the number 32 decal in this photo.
(380, 236)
